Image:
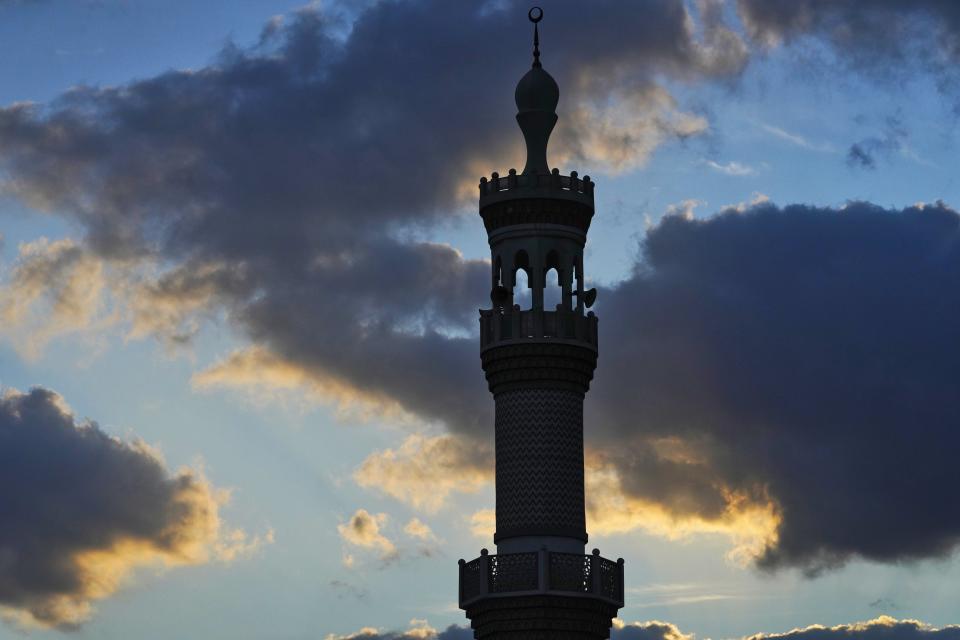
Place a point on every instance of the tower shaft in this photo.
(539, 459)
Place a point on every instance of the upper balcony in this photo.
(509, 327)
(541, 573)
(536, 185)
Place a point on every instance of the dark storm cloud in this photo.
(307, 142)
(276, 182)
(872, 35)
(79, 509)
(809, 355)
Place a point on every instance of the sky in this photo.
(240, 262)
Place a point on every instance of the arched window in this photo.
(552, 294)
(521, 280)
(576, 279)
(521, 291)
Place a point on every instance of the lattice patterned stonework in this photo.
(539, 448)
(570, 572)
(472, 579)
(513, 572)
(611, 584)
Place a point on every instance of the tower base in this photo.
(542, 617)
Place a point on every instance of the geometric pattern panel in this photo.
(539, 462)
(570, 572)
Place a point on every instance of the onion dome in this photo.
(537, 91)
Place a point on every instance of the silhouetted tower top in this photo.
(537, 96)
(538, 195)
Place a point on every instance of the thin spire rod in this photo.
(536, 15)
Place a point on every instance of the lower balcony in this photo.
(498, 327)
(541, 573)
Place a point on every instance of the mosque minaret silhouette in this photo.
(538, 364)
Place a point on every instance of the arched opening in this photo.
(552, 294)
(521, 280)
(521, 290)
(577, 284)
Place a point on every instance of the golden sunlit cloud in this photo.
(364, 530)
(423, 471)
(418, 529)
(752, 527)
(654, 629)
(61, 287)
(617, 135)
(483, 523)
(55, 288)
(419, 630)
(880, 627)
(170, 305)
(150, 519)
(197, 537)
(266, 377)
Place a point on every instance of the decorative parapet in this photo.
(541, 573)
(498, 328)
(536, 185)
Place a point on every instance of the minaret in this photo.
(539, 363)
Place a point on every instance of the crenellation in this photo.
(553, 180)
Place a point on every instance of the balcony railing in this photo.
(497, 327)
(541, 572)
(570, 187)
(532, 181)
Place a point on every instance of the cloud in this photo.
(54, 288)
(260, 135)
(684, 208)
(797, 140)
(676, 508)
(483, 523)
(883, 38)
(419, 530)
(82, 510)
(672, 594)
(419, 630)
(650, 630)
(425, 471)
(286, 179)
(864, 154)
(621, 130)
(283, 182)
(363, 530)
(788, 359)
(264, 377)
(732, 168)
(881, 628)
